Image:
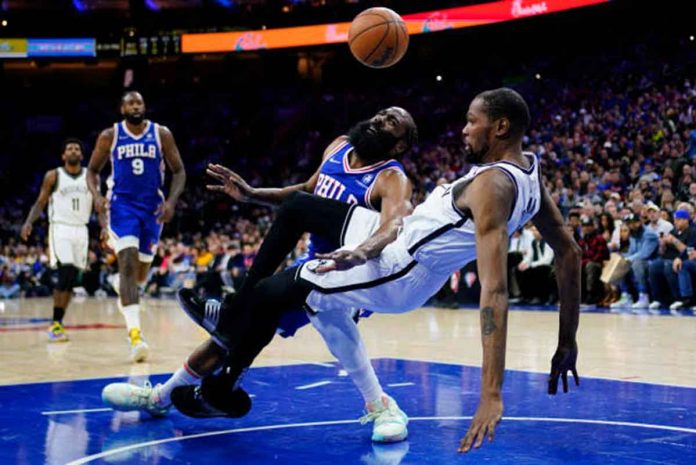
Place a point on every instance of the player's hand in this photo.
(104, 240)
(101, 204)
(488, 414)
(25, 232)
(165, 212)
(232, 184)
(340, 260)
(563, 361)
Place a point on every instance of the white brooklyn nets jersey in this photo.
(436, 240)
(71, 201)
(442, 238)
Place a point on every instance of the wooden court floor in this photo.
(642, 348)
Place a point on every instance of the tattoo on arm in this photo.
(488, 321)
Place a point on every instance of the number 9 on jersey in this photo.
(138, 166)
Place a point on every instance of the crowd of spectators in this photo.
(617, 151)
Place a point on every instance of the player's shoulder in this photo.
(337, 142)
(494, 181)
(108, 133)
(51, 177)
(161, 128)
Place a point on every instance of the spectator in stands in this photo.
(680, 244)
(646, 248)
(535, 271)
(9, 287)
(594, 253)
(658, 225)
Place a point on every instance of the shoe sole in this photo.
(389, 439)
(213, 334)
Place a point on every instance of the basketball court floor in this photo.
(636, 403)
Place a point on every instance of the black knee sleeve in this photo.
(67, 277)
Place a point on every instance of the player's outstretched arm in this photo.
(100, 155)
(235, 186)
(172, 157)
(489, 198)
(393, 189)
(568, 257)
(49, 181)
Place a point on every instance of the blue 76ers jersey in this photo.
(338, 181)
(137, 165)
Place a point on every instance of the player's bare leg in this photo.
(130, 270)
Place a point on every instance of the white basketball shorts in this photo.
(68, 245)
(393, 282)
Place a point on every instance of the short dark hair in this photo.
(127, 93)
(72, 140)
(507, 103)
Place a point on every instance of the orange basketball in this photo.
(378, 37)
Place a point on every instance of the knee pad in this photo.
(67, 277)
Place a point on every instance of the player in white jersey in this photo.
(469, 219)
(69, 201)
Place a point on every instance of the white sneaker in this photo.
(654, 305)
(390, 421)
(676, 305)
(642, 302)
(139, 348)
(127, 397)
(624, 301)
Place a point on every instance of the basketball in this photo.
(378, 37)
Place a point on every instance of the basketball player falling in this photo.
(472, 218)
(69, 208)
(357, 169)
(138, 149)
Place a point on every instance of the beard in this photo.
(475, 157)
(134, 119)
(73, 161)
(371, 147)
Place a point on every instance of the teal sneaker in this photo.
(389, 420)
(127, 397)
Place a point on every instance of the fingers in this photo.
(331, 266)
(214, 174)
(480, 435)
(553, 383)
(466, 442)
(215, 188)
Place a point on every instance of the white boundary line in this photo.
(141, 445)
(313, 385)
(65, 412)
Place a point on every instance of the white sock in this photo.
(116, 284)
(132, 315)
(343, 340)
(183, 377)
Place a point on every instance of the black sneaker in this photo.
(205, 313)
(191, 401)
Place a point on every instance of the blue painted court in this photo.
(308, 414)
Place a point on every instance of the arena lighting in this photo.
(4, 23)
(691, 38)
(438, 78)
(537, 76)
(225, 3)
(416, 23)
